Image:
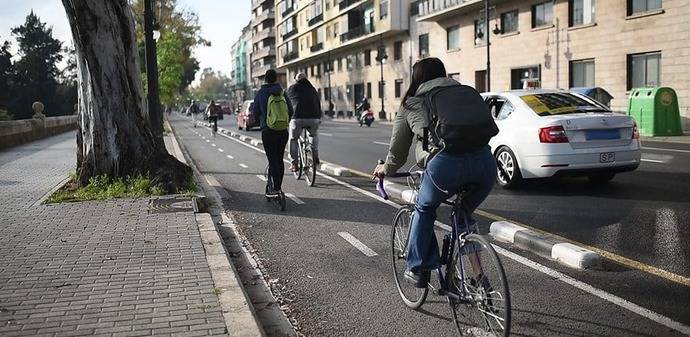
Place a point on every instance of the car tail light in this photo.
(636, 132)
(553, 134)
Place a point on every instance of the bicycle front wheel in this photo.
(412, 297)
(477, 274)
(308, 167)
(300, 161)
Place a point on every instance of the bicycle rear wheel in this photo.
(300, 160)
(412, 297)
(477, 272)
(308, 167)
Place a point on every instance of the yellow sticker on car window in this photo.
(535, 103)
(563, 110)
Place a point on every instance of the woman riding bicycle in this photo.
(445, 171)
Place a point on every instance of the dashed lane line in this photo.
(294, 198)
(221, 150)
(230, 157)
(653, 161)
(357, 244)
(325, 134)
(243, 166)
(382, 143)
(213, 144)
(651, 315)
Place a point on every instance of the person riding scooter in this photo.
(364, 113)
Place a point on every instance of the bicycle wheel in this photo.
(412, 297)
(300, 166)
(281, 202)
(476, 271)
(308, 167)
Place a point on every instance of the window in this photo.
(453, 38)
(367, 57)
(638, 6)
(522, 78)
(383, 8)
(581, 12)
(328, 32)
(582, 73)
(644, 70)
(509, 22)
(561, 103)
(368, 89)
(335, 30)
(397, 50)
(542, 14)
(398, 88)
(479, 33)
(381, 91)
(340, 64)
(499, 107)
(424, 45)
(328, 4)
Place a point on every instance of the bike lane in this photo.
(335, 289)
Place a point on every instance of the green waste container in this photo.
(656, 111)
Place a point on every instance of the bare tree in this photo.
(115, 138)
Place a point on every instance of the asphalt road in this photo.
(337, 290)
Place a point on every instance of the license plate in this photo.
(607, 157)
(602, 134)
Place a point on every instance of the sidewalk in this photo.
(684, 139)
(116, 268)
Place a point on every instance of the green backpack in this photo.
(277, 117)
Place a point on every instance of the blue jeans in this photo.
(449, 172)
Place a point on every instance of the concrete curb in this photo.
(335, 170)
(563, 252)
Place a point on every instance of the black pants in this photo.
(274, 145)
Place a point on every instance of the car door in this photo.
(501, 110)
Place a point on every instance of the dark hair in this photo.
(271, 76)
(424, 70)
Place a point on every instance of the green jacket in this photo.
(408, 128)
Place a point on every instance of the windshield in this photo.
(559, 104)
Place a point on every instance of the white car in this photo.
(546, 133)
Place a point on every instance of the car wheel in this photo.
(508, 175)
(601, 178)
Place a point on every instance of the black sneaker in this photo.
(272, 194)
(419, 279)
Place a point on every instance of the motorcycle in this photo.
(367, 118)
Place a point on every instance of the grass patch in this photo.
(102, 187)
(166, 129)
(216, 291)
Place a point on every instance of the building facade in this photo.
(345, 47)
(614, 44)
(263, 54)
(240, 59)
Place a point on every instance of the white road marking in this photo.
(651, 315)
(663, 320)
(208, 141)
(294, 198)
(382, 143)
(230, 157)
(358, 244)
(325, 134)
(213, 144)
(653, 161)
(261, 177)
(244, 166)
(221, 150)
(668, 150)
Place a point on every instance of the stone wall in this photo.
(13, 133)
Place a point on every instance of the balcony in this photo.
(316, 19)
(257, 3)
(264, 34)
(435, 10)
(316, 47)
(264, 52)
(266, 15)
(356, 32)
(289, 34)
(259, 71)
(287, 11)
(290, 56)
(347, 3)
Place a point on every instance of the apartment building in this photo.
(263, 55)
(240, 60)
(345, 47)
(614, 44)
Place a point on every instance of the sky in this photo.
(221, 23)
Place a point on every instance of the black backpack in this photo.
(459, 120)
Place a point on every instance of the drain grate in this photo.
(171, 205)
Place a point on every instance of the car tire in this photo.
(601, 178)
(512, 177)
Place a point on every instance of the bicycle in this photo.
(464, 279)
(213, 121)
(305, 160)
(279, 199)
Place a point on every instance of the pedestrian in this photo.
(307, 114)
(275, 110)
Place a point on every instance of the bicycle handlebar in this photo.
(380, 187)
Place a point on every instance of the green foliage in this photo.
(102, 187)
(5, 115)
(212, 85)
(170, 69)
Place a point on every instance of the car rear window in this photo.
(559, 104)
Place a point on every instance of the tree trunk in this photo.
(115, 136)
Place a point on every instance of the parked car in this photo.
(546, 133)
(247, 119)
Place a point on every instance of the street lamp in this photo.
(381, 57)
(478, 40)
